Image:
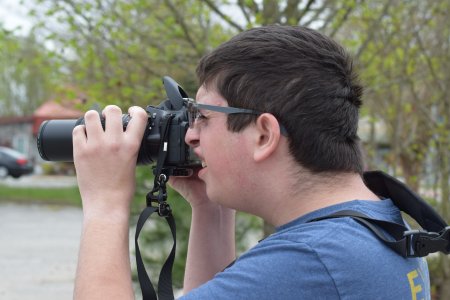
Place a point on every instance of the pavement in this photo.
(39, 249)
(39, 244)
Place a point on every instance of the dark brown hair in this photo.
(304, 79)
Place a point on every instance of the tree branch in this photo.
(305, 10)
(318, 12)
(183, 26)
(243, 7)
(223, 16)
(428, 62)
(373, 28)
(270, 12)
(291, 11)
(341, 21)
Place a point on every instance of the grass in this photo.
(63, 196)
(68, 196)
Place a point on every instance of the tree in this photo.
(402, 50)
(118, 51)
(326, 15)
(26, 74)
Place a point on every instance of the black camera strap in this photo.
(165, 290)
(157, 202)
(408, 243)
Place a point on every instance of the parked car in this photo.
(13, 163)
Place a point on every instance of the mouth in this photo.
(202, 171)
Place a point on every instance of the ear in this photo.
(267, 136)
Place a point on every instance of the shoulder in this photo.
(329, 259)
(286, 265)
(358, 263)
(274, 269)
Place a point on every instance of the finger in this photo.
(78, 139)
(113, 119)
(93, 125)
(138, 122)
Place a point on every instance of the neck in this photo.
(306, 192)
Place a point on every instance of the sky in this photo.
(13, 15)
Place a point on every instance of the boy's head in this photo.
(304, 79)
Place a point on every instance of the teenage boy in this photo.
(290, 155)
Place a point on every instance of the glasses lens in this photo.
(192, 112)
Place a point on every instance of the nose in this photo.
(192, 137)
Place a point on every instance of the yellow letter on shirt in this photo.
(415, 289)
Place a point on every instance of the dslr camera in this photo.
(164, 134)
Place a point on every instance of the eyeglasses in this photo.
(193, 111)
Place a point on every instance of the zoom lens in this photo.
(54, 140)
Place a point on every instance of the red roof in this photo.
(51, 110)
(55, 110)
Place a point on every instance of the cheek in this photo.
(237, 159)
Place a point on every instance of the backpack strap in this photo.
(407, 243)
(405, 199)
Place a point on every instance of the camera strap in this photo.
(407, 243)
(157, 202)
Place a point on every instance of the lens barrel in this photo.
(54, 140)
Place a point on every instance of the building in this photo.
(20, 133)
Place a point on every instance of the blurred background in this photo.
(60, 58)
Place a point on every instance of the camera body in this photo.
(54, 140)
(179, 154)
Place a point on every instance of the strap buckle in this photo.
(158, 195)
(164, 209)
(420, 243)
